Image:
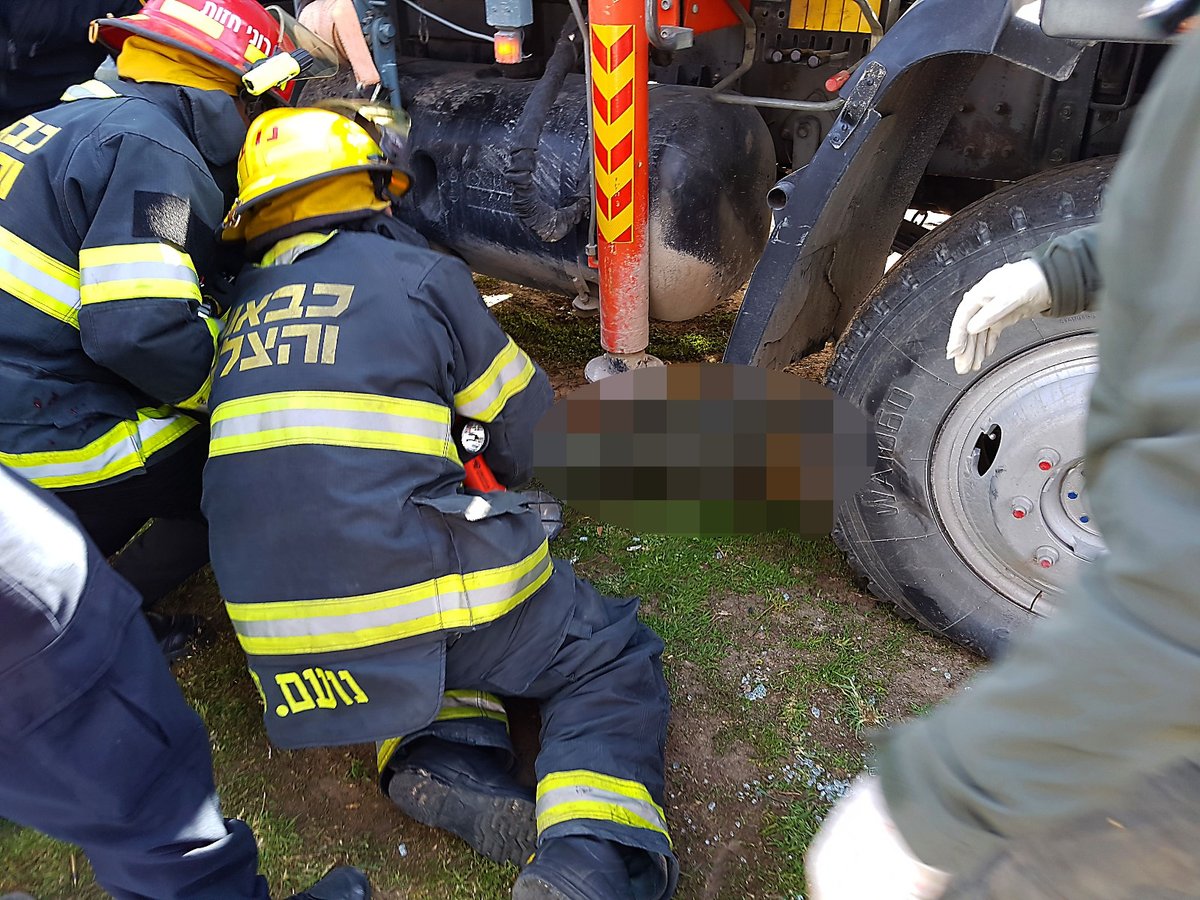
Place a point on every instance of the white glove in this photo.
(1003, 297)
(859, 854)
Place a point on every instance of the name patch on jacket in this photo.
(314, 689)
(354, 698)
(286, 326)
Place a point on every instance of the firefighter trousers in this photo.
(97, 745)
(175, 546)
(596, 673)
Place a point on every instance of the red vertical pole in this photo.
(620, 102)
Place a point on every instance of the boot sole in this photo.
(500, 828)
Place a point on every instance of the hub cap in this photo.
(1007, 473)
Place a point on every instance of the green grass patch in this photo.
(553, 338)
(788, 830)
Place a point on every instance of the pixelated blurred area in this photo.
(705, 449)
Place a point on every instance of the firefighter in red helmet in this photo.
(111, 203)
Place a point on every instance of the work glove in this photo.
(336, 23)
(859, 854)
(1003, 297)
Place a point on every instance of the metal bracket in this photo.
(666, 37)
(859, 103)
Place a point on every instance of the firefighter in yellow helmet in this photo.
(375, 597)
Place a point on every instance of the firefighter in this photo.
(46, 50)
(1072, 768)
(100, 748)
(375, 598)
(109, 205)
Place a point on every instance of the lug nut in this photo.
(1046, 557)
(1021, 507)
(1047, 459)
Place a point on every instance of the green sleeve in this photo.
(1070, 263)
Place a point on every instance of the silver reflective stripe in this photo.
(40, 551)
(89, 90)
(473, 700)
(13, 265)
(126, 446)
(92, 275)
(326, 626)
(586, 794)
(256, 423)
(473, 409)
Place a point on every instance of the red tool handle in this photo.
(479, 477)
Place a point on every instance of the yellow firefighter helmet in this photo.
(287, 149)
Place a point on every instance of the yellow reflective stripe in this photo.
(140, 289)
(507, 375)
(461, 704)
(89, 90)
(330, 437)
(289, 249)
(136, 271)
(121, 254)
(121, 449)
(596, 809)
(456, 704)
(385, 751)
(332, 418)
(341, 400)
(198, 402)
(38, 279)
(447, 715)
(583, 794)
(345, 623)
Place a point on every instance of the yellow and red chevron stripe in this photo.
(614, 115)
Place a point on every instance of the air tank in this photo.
(711, 166)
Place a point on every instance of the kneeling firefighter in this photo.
(375, 598)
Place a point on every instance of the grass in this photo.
(749, 777)
(559, 339)
(723, 607)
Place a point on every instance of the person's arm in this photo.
(140, 312)
(1104, 693)
(1060, 278)
(494, 380)
(1070, 265)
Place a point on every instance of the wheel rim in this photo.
(1007, 472)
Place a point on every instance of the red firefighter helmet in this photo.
(233, 34)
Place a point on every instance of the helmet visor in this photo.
(325, 58)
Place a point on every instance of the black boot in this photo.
(179, 635)
(469, 792)
(575, 868)
(342, 883)
(588, 868)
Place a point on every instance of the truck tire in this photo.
(975, 519)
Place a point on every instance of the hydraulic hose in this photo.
(547, 223)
